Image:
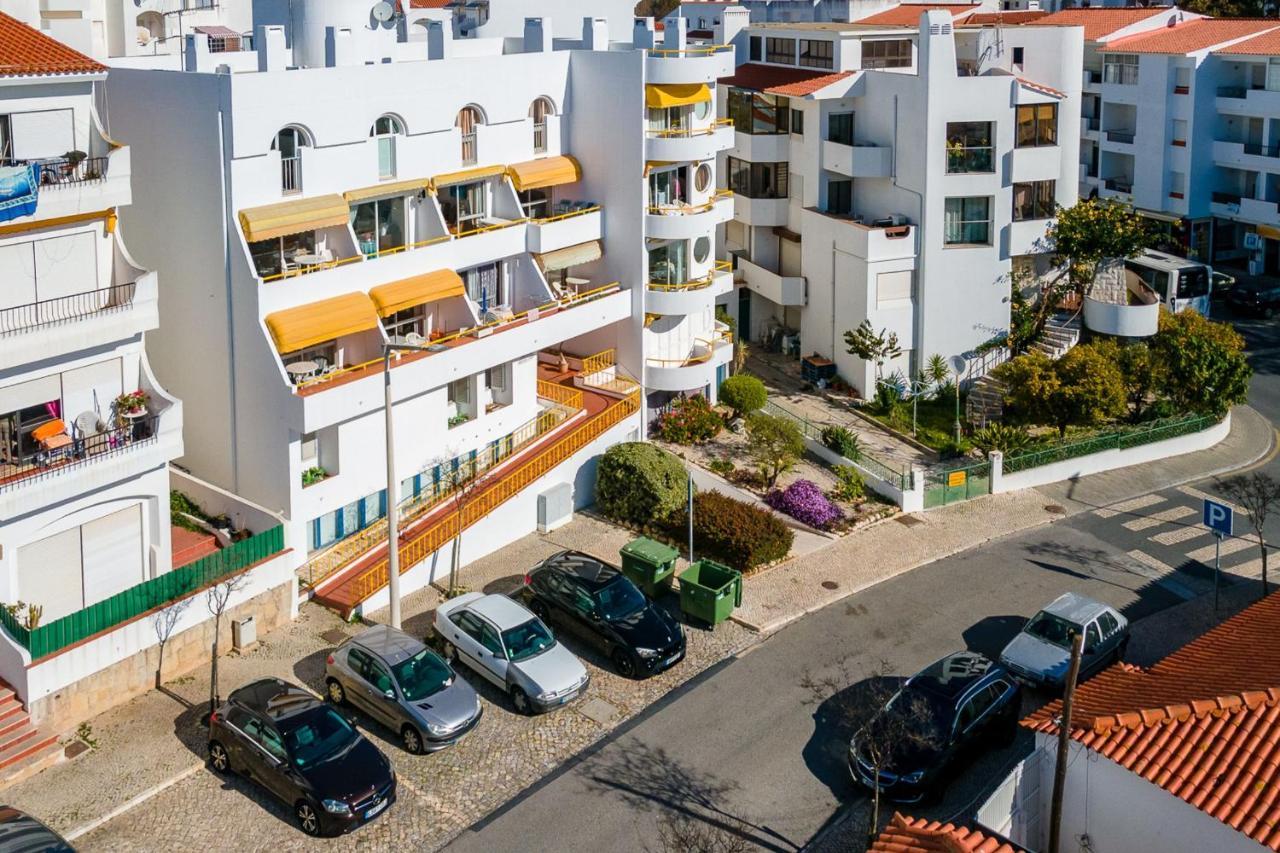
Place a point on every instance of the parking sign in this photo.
(1217, 517)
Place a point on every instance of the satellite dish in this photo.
(957, 364)
(383, 11)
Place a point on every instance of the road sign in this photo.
(955, 478)
(1217, 517)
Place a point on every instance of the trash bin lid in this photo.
(649, 551)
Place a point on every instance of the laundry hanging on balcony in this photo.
(19, 191)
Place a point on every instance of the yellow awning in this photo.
(418, 290)
(465, 175)
(570, 256)
(389, 188)
(547, 172)
(293, 217)
(307, 325)
(650, 165)
(660, 96)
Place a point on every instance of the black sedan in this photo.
(1254, 299)
(938, 718)
(595, 601)
(305, 753)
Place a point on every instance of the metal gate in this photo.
(947, 485)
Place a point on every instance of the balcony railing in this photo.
(64, 309)
(1226, 198)
(694, 284)
(697, 50)
(1122, 136)
(1260, 150)
(685, 132)
(63, 171)
(291, 174)
(703, 349)
(469, 148)
(668, 209)
(78, 453)
(1231, 91)
(539, 137)
(976, 159)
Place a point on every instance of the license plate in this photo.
(672, 659)
(563, 699)
(373, 811)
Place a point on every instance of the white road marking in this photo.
(1199, 495)
(1229, 546)
(1171, 514)
(1182, 534)
(1130, 505)
(1163, 574)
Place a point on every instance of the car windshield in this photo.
(1052, 629)
(619, 599)
(421, 675)
(527, 640)
(317, 736)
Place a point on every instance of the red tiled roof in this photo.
(917, 835)
(807, 87)
(1267, 44)
(1100, 22)
(908, 14)
(780, 80)
(990, 19)
(25, 50)
(428, 4)
(1197, 34)
(1204, 723)
(1041, 88)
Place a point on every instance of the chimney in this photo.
(595, 34)
(642, 35)
(936, 57)
(339, 47)
(735, 20)
(537, 35)
(272, 53)
(195, 47)
(676, 34)
(439, 39)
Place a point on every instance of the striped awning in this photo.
(569, 256)
(387, 189)
(293, 217)
(317, 322)
(547, 172)
(479, 173)
(418, 290)
(660, 96)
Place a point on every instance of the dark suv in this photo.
(304, 752)
(948, 711)
(595, 601)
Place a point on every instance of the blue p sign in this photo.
(1217, 517)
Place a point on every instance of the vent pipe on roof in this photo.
(537, 35)
(595, 33)
(642, 34)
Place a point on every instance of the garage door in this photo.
(112, 549)
(49, 574)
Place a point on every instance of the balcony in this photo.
(1130, 310)
(761, 211)
(761, 147)
(679, 145)
(689, 297)
(884, 239)
(1119, 136)
(778, 289)
(694, 371)
(568, 229)
(686, 221)
(1258, 210)
(973, 160)
(857, 161)
(1092, 80)
(1090, 126)
(1246, 155)
(68, 187)
(1122, 186)
(693, 64)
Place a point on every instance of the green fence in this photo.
(944, 486)
(123, 606)
(898, 478)
(1116, 440)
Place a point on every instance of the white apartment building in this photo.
(503, 202)
(896, 174)
(109, 28)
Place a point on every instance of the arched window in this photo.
(539, 111)
(150, 27)
(385, 130)
(289, 142)
(469, 118)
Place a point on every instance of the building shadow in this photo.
(826, 754)
(990, 635)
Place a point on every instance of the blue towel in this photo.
(19, 186)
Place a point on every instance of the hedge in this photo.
(640, 483)
(734, 532)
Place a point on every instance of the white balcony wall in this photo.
(549, 236)
(857, 161)
(761, 147)
(696, 147)
(1039, 163)
(779, 289)
(693, 68)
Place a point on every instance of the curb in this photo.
(132, 804)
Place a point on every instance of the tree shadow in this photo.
(991, 634)
(826, 753)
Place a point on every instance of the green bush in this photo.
(723, 467)
(1002, 437)
(639, 483)
(737, 533)
(774, 444)
(842, 440)
(690, 421)
(888, 398)
(851, 486)
(744, 394)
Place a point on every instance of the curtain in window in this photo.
(482, 285)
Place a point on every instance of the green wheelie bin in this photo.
(709, 591)
(648, 564)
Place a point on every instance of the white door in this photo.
(112, 549)
(49, 575)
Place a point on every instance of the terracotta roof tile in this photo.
(916, 835)
(1005, 19)
(1267, 44)
(1099, 22)
(1041, 88)
(779, 80)
(908, 14)
(25, 50)
(1194, 35)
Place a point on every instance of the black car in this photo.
(1253, 299)
(21, 833)
(304, 752)
(596, 602)
(937, 718)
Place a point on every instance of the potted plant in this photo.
(132, 403)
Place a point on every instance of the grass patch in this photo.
(935, 423)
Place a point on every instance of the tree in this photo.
(1203, 364)
(461, 479)
(1226, 8)
(774, 444)
(1139, 371)
(1093, 230)
(938, 374)
(216, 598)
(1083, 388)
(1257, 494)
(164, 621)
(744, 394)
(877, 348)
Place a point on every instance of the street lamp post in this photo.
(958, 365)
(393, 534)
(917, 387)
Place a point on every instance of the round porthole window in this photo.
(701, 248)
(702, 109)
(702, 177)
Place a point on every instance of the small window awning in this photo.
(314, 323)
(293, 217)
(477, 174)
(660, 96)
(417, 290)
(570, 256)
(547, 172)
(388, 188)
(217, 31)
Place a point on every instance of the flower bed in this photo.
(806, 503)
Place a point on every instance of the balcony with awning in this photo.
(423, 308)
(550, 197)
(323, 337)
(290, 238)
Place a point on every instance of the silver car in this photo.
(1041, 654)
(511, 647)
(404, 685)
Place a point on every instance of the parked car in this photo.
(512, 648)
(1041, 654)
(596, 602)
(22, 833)
(305, 753)
(404, 685)
(1255, 299)
(953, 707)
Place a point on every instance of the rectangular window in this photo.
(782, 51)
(1178, 133)
(757, 180)
(1177, 185)
(969, 147)
(840, 128)
(1037, 125)
(797, 122)
(755, 51)
(893, 286)
(757, 112)
(967, 221)
(886, 53)
(815, 54)
(1034, 200)
(840, 197)
(1120, 68)
(1017, 55)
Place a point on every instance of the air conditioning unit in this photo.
(555, 507)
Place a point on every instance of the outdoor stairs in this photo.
(1061, 333)
(24, 749)
(985, 402)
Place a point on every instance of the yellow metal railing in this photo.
(495, 226)
(698, 50)
(598, 362)
(310, 268)
(683, 132)
(545, 219)
(694, 284)
(561, 394)
(709, 343)
(486, 501)
(687, 209)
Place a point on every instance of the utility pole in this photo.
(1064, 742)
(691, 518)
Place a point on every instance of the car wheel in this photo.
(625, 663)
(521, 701)
(336, 694)
(308, 818)
(219, 759)
(412, 740)
(450, 653)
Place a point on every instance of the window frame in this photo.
(1120, 69)
(840, 127)
(947, 241)
(880, 56)
(1040, 206)
(964, 157)
(1044, 131)
(774, 47)
(822, 57)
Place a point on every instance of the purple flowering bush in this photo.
(805, 502)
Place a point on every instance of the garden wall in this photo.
(910, 500)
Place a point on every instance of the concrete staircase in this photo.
(985, 402)
(24, 749)
(1061, 333)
